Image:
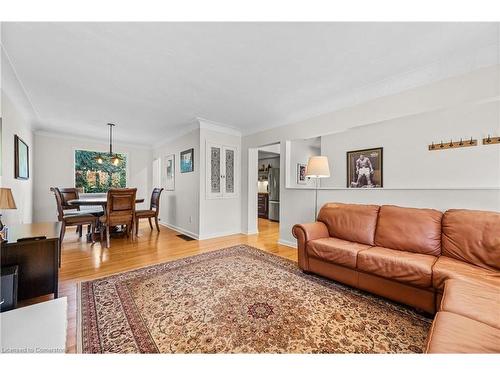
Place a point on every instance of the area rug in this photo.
(239, 300)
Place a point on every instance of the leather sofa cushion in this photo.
(474, 301)
(350, 222)
(401, 266)
(336, 251)
(448, 268)
(417, 230)
(473, 237)
(453, 333)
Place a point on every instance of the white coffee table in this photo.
(39, 328)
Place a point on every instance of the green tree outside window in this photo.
(93, 177)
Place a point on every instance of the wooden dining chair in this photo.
(120, 210)
(76, 218)
(69, 194)
(153, 212)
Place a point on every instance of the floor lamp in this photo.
(317, 167)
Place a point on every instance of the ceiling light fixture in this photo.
(115, 159)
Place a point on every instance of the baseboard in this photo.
(219, 234)
(283, 242)
(180, 230)
(250, 233)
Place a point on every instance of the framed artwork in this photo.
(21, 159)
(170, 172)
(187, 161)
(301, 174)
(365, 168)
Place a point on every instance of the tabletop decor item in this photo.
(6, 203)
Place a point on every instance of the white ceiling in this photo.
(153, 79)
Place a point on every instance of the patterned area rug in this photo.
(239, 300)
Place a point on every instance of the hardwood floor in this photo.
(84, 261)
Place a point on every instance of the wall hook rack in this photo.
(491, 140)
(456, 144)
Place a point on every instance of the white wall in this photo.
(180, 208)
(402, 123)
(407, 161)
(219, 217)
(18, 115)
(54, 165)
(14, 121)
(300, 152)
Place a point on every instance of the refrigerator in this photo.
(273, 187)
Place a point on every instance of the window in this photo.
(92, 177)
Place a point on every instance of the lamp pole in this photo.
(316, 200)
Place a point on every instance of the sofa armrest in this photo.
(305, 233)
(310, 231)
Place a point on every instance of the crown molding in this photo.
(72, 137)
(218, 127)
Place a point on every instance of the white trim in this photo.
(104, 141)
(200, 237)
(218, 234)
(395, 188)
(180, 230)
(218, 127)
(283, 242)
(455, 65)
(250, 233)
(23, 88)
(179, 133)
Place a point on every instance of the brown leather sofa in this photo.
(407, 255)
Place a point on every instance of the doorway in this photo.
(266, 163)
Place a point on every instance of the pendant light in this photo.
(115, 159)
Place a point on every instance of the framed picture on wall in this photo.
(170, 172)
(21, 159)
(187, 161)
(365, 168)
(301, 174)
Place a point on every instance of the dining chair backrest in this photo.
(155, 199)
(121, 204)
(67, 195)
(59, 203)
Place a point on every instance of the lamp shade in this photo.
(6, 199)
(318, 167)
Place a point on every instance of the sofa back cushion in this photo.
(417, 230)
(350, 222)
(473, 237)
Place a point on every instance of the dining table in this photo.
(98, 201)
(95, 201)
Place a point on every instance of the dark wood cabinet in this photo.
(37, 259)
(263, 205)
